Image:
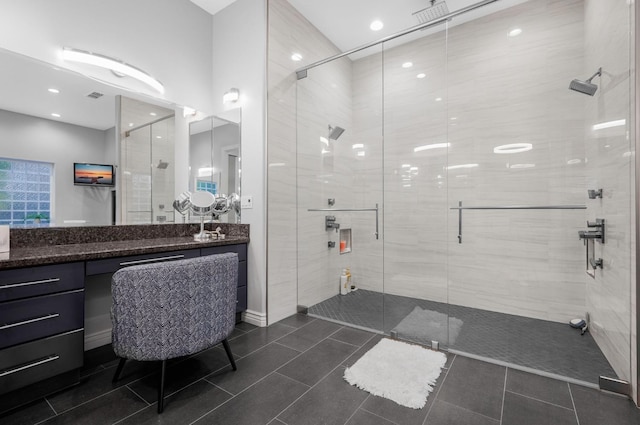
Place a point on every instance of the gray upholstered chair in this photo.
(172, 309)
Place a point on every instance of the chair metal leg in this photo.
(119, 369)
(161, 387)
(225, 343)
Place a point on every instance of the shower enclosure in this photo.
(147, 163)
(463, 195)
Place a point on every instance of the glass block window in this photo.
(207, 186)
(25, 191)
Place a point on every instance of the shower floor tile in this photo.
(548, 347)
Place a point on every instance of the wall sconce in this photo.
(116, 66)
(231, 96)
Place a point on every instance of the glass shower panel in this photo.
(516, 173)
(339, 190)
(162, 171)
(415, 189)
(136, 184)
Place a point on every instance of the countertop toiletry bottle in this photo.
(348, 273)
(344, 283)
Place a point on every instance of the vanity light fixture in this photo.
(231, 96)
(116, 66)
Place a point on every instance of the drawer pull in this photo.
(35, 282)
(28, 366)
(26, 322)
(151, 260)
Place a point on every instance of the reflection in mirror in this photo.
(146, 162)
(215, 161)
(83, 130)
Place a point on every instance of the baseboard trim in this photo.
(97, 339)
(255, 318)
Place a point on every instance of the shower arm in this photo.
(376, 209)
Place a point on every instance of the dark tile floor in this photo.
(291, 374)
(550, 347)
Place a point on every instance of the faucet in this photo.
(330, 223)
(593, 234)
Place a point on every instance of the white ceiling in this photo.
(24, 82)
(346, 22)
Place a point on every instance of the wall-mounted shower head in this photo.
(162, 165)
(586, 87)
(435, 11)
(335, 132)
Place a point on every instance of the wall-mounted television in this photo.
(93, 174)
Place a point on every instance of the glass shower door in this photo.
(519, 157)
(339, 191)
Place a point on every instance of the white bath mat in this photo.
(401, 372)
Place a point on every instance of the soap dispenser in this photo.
(344, 283)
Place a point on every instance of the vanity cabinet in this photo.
(41, 323)
(241, 250)
(42, 317)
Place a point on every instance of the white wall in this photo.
(239, 55)
(169, 39)
(36, 139)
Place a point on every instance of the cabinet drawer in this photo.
(240, 249)
(33, 318)
(34, 361)
(110, 265)
(241, 301)
(27, 282)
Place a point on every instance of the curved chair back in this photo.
(172, 309)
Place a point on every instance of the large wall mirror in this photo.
(215, 160)
(51, 119)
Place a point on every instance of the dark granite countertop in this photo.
(34, 254)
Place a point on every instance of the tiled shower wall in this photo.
(482, 89)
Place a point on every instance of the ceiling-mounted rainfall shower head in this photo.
(335, 132)
(435, 11)
(586, 87)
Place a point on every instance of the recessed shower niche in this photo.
(345, 241)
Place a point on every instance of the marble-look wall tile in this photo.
(290, 32)
(610, 167)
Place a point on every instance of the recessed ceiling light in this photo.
(130, 124)
(158, 137)
(438, 99)
(296, 57)
(515, 32)
(376, 25)
(407, 64)
(55, 115)
(56, 91)
(421, 75)
(360, 153)
(153, 114)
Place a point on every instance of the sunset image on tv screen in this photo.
(93, 174)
